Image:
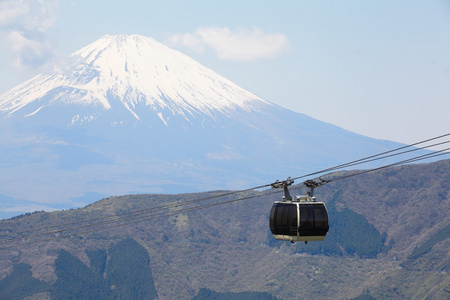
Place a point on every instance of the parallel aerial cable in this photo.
(66, 233)
(380, 156)
(118, 217)
(406, 161)
(41, 234)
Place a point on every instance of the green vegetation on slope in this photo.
(77, 281)
(128, 276)
(413, 261)
(223, 248)
(97, 259)
(350, 234)
(364, 297)
(433, 240)
(20, 284)
(128, 271)
(207, 294)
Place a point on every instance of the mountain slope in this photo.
(134, 71)
(225, 249)
(129, 115)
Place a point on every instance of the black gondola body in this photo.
(299, 219)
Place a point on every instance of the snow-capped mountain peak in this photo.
(129, 115)
(133, 70)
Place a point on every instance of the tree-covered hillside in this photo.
(388, 238)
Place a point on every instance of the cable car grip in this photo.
(312, 184)
(284, 184)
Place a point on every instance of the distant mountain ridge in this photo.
(130, 115)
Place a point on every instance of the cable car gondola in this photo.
(299, 219)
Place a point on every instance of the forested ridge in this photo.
(388, 238)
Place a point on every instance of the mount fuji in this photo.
(127, 114)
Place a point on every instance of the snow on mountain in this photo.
(137, 70)
(130, 115)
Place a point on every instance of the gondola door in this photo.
(284, 221)
(313, 221)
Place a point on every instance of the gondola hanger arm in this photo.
(284, 184)
(312, 184)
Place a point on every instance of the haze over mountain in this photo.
(127, 114)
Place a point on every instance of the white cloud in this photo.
(188, 40)
(241, 45)
(24, 24)
(30, 52)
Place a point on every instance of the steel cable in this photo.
(149, 214)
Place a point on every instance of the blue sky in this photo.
(378, 68)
